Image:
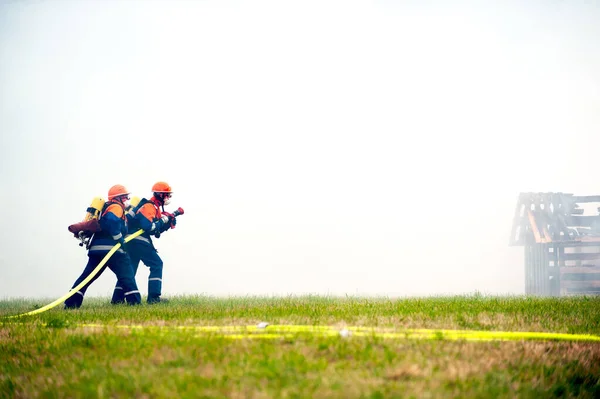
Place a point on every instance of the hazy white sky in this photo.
(342, 147)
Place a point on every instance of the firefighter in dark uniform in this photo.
(150, 216)
(113, 224)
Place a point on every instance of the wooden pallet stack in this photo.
(560, 234)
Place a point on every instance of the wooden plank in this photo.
(586, 198)
(542, 267)
(576, 292)
(585, 248)
(580, 284)
(588, 239)
(553, 271)
(584, 221)
(561, 225)
(528, 271)
(535, 272)
(582, 269)
(581, 256)
(561, 252)
(534, 228)
(562, 219)
(580, 276)
(566, 202)
(543, 220)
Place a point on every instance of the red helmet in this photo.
(117, 191)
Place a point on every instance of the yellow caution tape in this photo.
(83, 283)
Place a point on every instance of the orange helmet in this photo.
(161, 187)
(116, 191)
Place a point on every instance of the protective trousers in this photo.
(141, 251)
(120, 264)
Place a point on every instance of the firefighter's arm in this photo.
(112, 221)
(130, 214)
(147, 220)
(165, 226)
(168, 221)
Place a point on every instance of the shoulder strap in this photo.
(104, 207)
(142, 202)
(108, 204)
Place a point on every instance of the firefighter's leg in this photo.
(119, 292)
(155, 263)
(76, 300)
(121, 266)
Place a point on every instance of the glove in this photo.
(166, 222)
(172, 220)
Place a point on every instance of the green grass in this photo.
(52, 355)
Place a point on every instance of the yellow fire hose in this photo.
(279, 331)
(74, 290)
(292, 331)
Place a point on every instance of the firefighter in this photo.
(113, 224)
(152, 218)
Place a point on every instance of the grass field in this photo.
(162, 350)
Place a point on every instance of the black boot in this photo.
(157, 299)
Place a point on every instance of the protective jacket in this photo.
(147, 216)
(114, 227)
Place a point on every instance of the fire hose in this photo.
(74, 290)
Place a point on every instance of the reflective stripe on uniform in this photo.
(117, 237)
(104, 248)
(143, 239)
(155, 278)
(80, 293)
(132, 292)
(118, 288)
